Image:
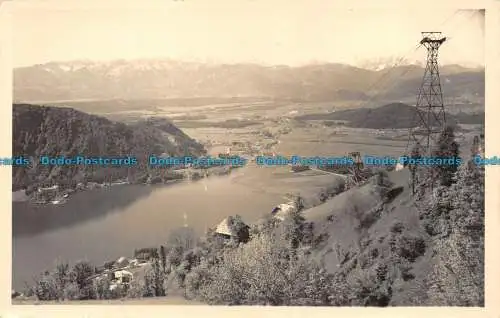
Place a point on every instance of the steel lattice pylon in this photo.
(429, 119)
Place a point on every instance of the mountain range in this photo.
(163, 78)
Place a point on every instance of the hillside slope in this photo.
(52, 131)
(407, 250)
(359, 231)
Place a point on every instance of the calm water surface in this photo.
(104, 224)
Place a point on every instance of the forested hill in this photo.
(395, 115)
(52, 131)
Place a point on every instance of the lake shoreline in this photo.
(51, 225)
(186, 175)
(110, 259)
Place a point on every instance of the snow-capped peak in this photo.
(382, 63)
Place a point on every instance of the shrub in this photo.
(101, 288)
(369, 287)
(266, 225)
(71, 291)
(381, 182)
(46, 287)
(81, 273)
(142, 286)
(332, 190)
(264, 272)
(195, 280)
(366, 220)
(397, 227)
(409, 247)
(120, 291)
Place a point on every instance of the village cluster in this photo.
(124, 270)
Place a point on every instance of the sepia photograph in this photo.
(248, 155)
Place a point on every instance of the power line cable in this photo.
(402, 59)
(379, 81)
(470, 16)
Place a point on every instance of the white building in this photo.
(52, 188)
(121, 277)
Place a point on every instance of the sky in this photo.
(245, 33)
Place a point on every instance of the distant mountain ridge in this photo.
(381, 63)
(378, 64)
(157, 78)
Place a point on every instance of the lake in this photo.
(104, 224)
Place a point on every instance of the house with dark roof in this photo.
(233, 228)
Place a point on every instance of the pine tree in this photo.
(475, 146)
(299, 202)
(446, 147)
(293, 228)
(163, 259)
(81, 273)
(416, 153)
(62, 278)
(158, 278)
